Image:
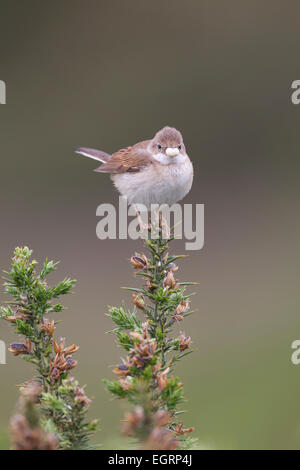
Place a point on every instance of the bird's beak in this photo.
(172, 151)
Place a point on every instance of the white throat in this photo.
(166, 160)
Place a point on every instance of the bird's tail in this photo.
(94, 154)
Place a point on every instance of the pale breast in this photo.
(156, 184)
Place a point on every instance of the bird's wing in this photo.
(130, 159)
(94, 154)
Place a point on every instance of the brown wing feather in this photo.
(129, 159)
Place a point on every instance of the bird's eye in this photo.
(179, 147)
(159, 147)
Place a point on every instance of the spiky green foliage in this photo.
(145, 376)
(64, 404)
(69, 406)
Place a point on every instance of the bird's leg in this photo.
(143, 225)
(161, 224)
(164, 227)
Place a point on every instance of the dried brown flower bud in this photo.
(55, 373)
(48, 327)
(12, 318)
(183, 307)
(138, 301)
(133, 420)
(180, 430)
(26, 433)
(169, 281)
(184, 342)
(173, 267)
(121, 370)
(71, 363)
(63, 361)
(25, 437)
(31, 391)
(161, 418)
(136, 335)
(20, 348)
(71, 350)
(144, 349)
(124, 384)
(139, 261)
(80, 396)
(145, 326)
(58, 348)
(19, 314)
(161, 439)
(162, 379)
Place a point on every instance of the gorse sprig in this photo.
(63, 402)
(145, 376)
(26, 431)
(69, 406)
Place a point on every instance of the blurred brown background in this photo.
(106, 74)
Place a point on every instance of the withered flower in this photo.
(162, 439)
(145, 326)
(55, 373)
(161, 418)
(12, 318)
(63, 361)
(31, 391)
(19, 314)
(60, 349)
(139, 261)
(171, 266)
(26, 433)
(138, 301)
(180, 430)
(133, 420)
(183, 307)
(122, 370)
(48, 327)
(162, 379)
(80, 396)
(136, 335)
(144, 349)
(20, 348)
(177, 317)
(70, 350)
(170, 282)
(24, 437)
(184, 342)
(58, 366)
(124, 384)
(71, 363)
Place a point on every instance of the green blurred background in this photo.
(106, 74)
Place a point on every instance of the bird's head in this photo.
(167, 144)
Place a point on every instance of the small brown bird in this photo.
(156, 171)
